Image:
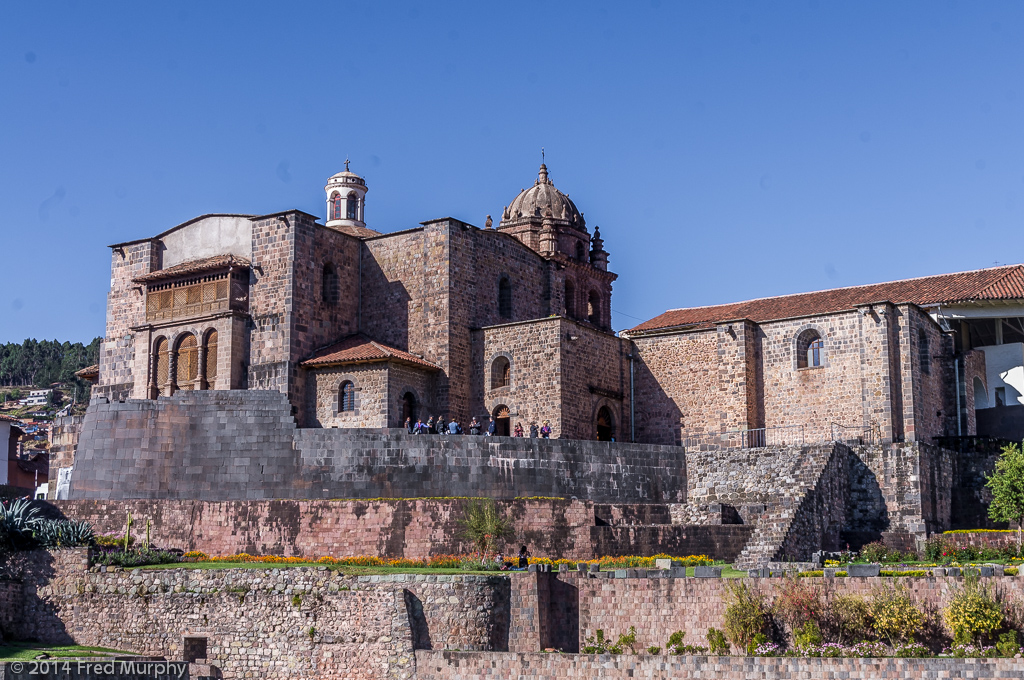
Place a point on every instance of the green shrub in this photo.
(654, 649)
(1011, 571)
(484, 525)
(874, 552)
(807, 635)
(934, 547)
(755, 642)
(851, 618)
(599, 644)
(717, 642)
(894, 615)
(972, 613)
(1007, 644)
(812, 573)
(135, 558)
(746, 613)
(896, 573)
(675, 643)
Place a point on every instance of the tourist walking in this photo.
(408, 425)
(442, 426)
(419, 427)
(534, 430)
(474, 426)
(430, 425)
(453, 427)
(545, 430)
(491, 427)
(519, 430)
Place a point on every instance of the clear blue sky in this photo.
(727, 150)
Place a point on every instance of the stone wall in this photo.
(981, 539)
(740, 375)
(266, 623)
(562, 371)
(450, 665)
(229, 445)
(657, 607)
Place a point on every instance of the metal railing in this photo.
(755, 438)
(785, 435)
(855, 434)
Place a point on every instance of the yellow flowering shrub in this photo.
(894, 615)
(972, 613)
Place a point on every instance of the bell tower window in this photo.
(336, 206)
(352, 208)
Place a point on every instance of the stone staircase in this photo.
(787, 501)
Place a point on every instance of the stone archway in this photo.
(605, 425)
(502, 421)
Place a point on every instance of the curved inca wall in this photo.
(244, 445)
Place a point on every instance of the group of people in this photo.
(520, 563)
(441, 426)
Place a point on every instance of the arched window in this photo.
(330, 290)
(187, 365)
(594, 308)
(210, 369)
(924, 354)
(160, 371)
(505, 298)
(347, 396)
(352, 210)
(501, 373)
(579, 251)
(810, 350)
(570, 299)
(335, 206)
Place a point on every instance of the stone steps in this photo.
(774, 527)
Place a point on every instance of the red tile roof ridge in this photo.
(195, 266)
(992, 283)
(333, 353)
(1008, 267)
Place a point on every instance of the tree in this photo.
(1007, 485)
(484, 525)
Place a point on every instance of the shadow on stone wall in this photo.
(35, 618)
(866, 514)
(417, 621)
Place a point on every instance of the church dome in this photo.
(542, 200)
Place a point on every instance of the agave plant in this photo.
(62, 533)
(18, 519)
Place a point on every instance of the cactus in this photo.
(127, 532)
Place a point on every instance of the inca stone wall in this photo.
(450, 665)
(265, 623)
(228, 445)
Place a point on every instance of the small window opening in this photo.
(594, 308)
(501, 373)
(335, 206)
(1000, 396)
(570, 299)
(347, 397)
(194, 649)
(810, 350)
(580, 252)
(331, 289)
(353, 207)
(505, 298)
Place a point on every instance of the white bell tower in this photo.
(346, 199)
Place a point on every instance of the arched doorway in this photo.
(605, 431)
(409, 407)
(502, 417)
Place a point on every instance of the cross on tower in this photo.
(346, 163)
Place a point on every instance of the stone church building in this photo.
(363, 329)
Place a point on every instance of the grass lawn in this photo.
(26, 651)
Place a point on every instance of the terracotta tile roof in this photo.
(358, 232)
(997, 283)
(9, 419)
(359, 349)
(89, 373)
(194, 267)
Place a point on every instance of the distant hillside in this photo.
(43, 362)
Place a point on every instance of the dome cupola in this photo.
(346, 199)
(540, 201)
